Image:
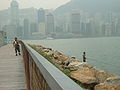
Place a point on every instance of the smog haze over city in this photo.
(49, 4)
(57, 19)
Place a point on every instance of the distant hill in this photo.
(90, 6)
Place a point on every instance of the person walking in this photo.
(84, 57)
(17, 46)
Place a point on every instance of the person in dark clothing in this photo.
(17, 46)
(84, 57)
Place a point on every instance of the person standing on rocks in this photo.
(84, 57)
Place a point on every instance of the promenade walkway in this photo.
(12, 74)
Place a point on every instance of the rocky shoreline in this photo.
(82, 73)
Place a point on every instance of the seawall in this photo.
(82, 73)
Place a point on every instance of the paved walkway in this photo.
(12, 75)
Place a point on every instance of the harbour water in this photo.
(104, 53)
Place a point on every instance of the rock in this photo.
(43, 47)
(77, 65)
(74, 60)
(45, 50)
(115, 80)
(85, 75)
(112, 83)
(101, 75)
(55, 56)
(50, 53)
(50, 49)
(37, 45)
(104, 86)
(37, 48)
(57, 53)
(68, 60)
(62, 58)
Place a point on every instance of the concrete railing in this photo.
(42, 75)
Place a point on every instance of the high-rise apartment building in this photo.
(41, 21)
(118, 27)
(14, 12)
(12, 28)
(26, 29)
(49, 23)
(75, 23)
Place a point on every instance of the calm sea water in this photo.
(104, 53)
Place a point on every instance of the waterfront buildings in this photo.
(41, 21)
(14, 21)
(88, 30)
(118, 27)
(14, 13)
(50, 24)
(75, 23)
(11, 28)
(26, 32)
(2, 38)
(33, 28)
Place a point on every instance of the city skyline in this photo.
(53, 4)
(64, 22)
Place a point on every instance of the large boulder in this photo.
(77, 65)
(50, 53)
(57, 53)
(85, 75)
(37, 45)
(104, 86)
(101, 75)
(45, 50)
(63, 58)
(55, 56)
(115, 80)
(73, 60)
(112, 83)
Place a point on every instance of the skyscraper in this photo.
(12, 28)
(2, 38)
(49, 23)
(118, 27)
(83, 28)
(108, 29)
(103, 29)
(41, 15)
(14, 12)
(33, 28)
(41, 21)
(26, 32)
(75, 23)
(89, 28)
(11, 32)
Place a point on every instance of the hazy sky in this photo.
(34, 3)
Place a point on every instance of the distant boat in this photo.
(49, 38)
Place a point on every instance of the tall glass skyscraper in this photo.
(14, 11)
(49, 23)
(75, 23)
(41, 15)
